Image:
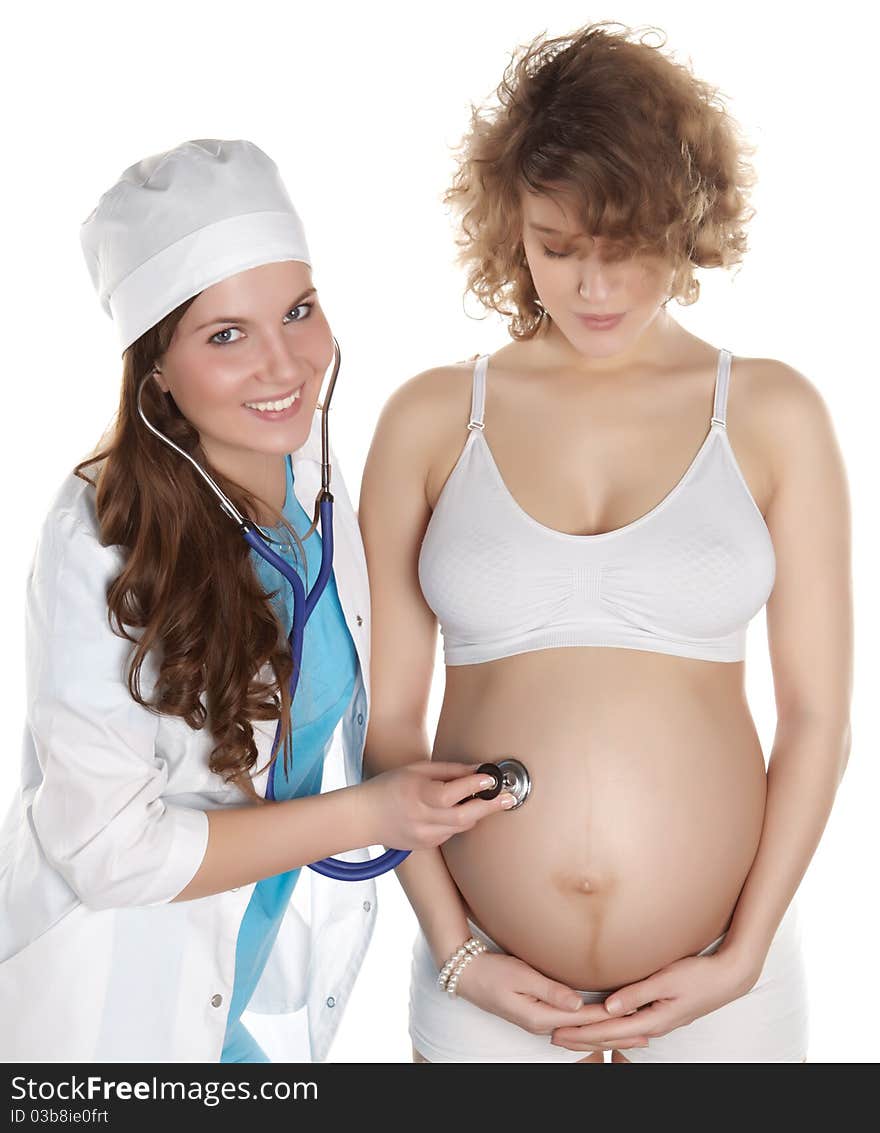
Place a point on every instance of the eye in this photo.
(300, 307)
(214, 337)
(554, 255)
(227, 330)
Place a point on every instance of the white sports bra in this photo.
(685, 578)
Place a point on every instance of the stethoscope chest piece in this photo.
(514, 778)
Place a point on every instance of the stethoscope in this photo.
(509, 774)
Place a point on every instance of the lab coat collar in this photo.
(311, 449)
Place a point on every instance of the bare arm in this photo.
(393, 514)
(252, 842)
(412, 806)
(810, 632)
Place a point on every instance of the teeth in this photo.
(274, 404)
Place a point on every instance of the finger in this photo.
(630, 998)
(611, 1044)
(595, 1013)
(444, 769)
(461, 790)
(452, 792)
(548, 1019)
(560, 995)
(606, 1044)
(656, 1019)
(472, 811)
(466, 816)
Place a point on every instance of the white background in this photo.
(361, 106)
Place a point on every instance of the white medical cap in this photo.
(178, 222)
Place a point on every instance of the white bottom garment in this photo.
(770, 1023)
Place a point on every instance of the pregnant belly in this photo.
(646, 807)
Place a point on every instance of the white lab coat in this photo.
(96, 963)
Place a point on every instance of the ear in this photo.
(160, 381)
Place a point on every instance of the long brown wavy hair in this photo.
(646, 148)
(188, 580)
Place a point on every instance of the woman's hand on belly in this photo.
(671, 997)
(511, 989)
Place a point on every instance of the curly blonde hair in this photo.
(647, 149)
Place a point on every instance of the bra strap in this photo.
(722, 383)
(478, 395)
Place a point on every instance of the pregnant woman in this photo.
(593, 515)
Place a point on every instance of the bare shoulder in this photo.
(785, 401)
(424, 414)
(430, 397)
(789, 414)
(419, 432)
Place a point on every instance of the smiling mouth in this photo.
(277, 402)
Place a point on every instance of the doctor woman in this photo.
(145, 880)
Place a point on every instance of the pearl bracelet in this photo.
(457, 962)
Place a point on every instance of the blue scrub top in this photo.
(325, 687)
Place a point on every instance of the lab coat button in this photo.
(216, 1000)
(360, 620)
(360, 717)
(331, 1002)
(367, 906)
